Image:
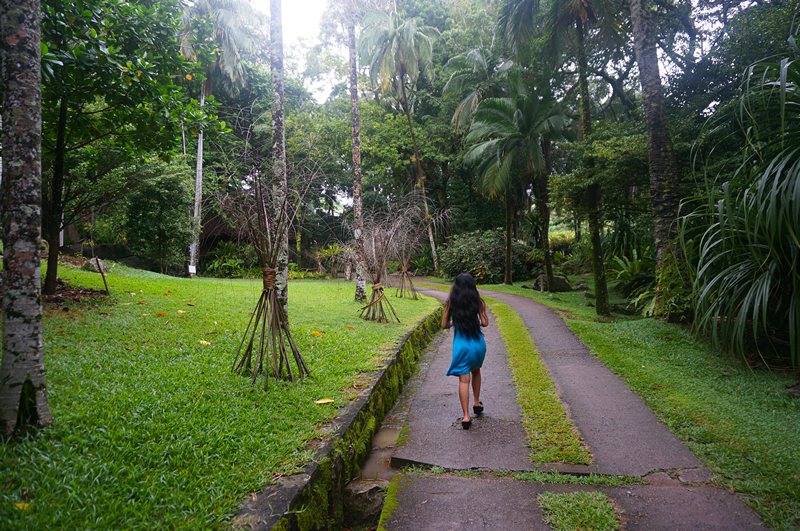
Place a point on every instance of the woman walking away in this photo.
(467, 311)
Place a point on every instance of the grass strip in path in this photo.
(552, 436)
(152, 430)
(740, 422)
(587, 511)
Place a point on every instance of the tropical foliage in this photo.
(482, 254)
(744, 234)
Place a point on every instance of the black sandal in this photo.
(467, 424)
(478, 409)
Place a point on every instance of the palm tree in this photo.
(480, 71)
(231, 33)
(398, 52)
(517, 22)
(507, 133)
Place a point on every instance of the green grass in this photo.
(535, 476)
(152, 431)
(738, 421)
(552, 436)
(585, 511)
(592, 479)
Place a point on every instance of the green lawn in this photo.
(738, 421)
(152, 431)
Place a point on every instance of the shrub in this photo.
(562, 242)
(108, 231)
(423, 264)
(482, 254)
(634, 275)
(226, 262)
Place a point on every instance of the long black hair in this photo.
(465, 305)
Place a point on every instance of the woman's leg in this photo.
(476, 386)
(463, 395)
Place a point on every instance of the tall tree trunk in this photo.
(583, 84)
(23, 389)
(441, 192)
(593, 193)
(358, 218)
(665, 193)
(598, 268)
(543, 206)
(509, 206)
(279, 182)
(194, 248)
(56, 210)
(298, 237)
(428, 219)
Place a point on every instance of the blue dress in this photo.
(467, 353)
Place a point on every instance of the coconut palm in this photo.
(397, 53)
(518, 24)
(507, 135)
(231, 32)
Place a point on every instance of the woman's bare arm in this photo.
(482, 313)
(446, 315)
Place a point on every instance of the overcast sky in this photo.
(300, 18)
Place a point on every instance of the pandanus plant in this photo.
(742, 239)
(267, 340)
(408, 242)
(379, 242)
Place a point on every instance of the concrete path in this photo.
(622, 433)
(496, 441)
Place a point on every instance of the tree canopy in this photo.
(437, 90)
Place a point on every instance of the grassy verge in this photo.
(551, 435)
(151, 429)
(588, 511)
(738, 421)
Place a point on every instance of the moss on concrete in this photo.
(403, 437)
(398, 483)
